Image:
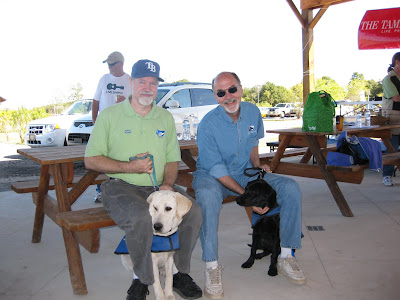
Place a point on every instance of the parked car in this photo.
(183, 100)
(281, 110)
(52, 131)
(264, 111)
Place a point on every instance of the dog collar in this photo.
(256, 217)
(160, 244)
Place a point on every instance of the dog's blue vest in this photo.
(160, 244)
(256, 217)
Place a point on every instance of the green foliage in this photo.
(252, 94)
(38, 113)
(19, 120)
(273, 94)
(355, 87)
(373, 88)
(5, 122)
(182, 80)
(76, 93)
(297, 92)
(329, 85)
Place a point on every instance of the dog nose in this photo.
(158, 226)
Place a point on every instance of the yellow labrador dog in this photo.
(166, 209)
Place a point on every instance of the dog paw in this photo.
(272, 272)
(247, 265)
(169, 297)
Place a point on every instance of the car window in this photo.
(202, 97)
(79, 107)
(160, 94)
(183, 97)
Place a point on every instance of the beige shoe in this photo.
(213, 287)
(288, 267)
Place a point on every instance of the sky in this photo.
(48, 46)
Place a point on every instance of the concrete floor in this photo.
(353, 258)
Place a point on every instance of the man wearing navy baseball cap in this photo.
(137, 128)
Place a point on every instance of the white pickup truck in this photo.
(281, 110)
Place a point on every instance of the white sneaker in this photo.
(97, 198)
(288, 266)
(387, 180)
(213, 287)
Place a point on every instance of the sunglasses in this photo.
(231, 90)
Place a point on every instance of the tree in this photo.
(251, 94)
(76, 93)
(273, 94)
(355, 87)
(373, 89)
(19, 120)
(330, 86)
(5, 123)
(297, 92)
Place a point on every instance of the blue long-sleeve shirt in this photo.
(225, 146)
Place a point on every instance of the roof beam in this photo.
(312, 4)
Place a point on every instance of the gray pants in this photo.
(127, 206)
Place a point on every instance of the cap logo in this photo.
(151, 66)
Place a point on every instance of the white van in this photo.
(53, 131)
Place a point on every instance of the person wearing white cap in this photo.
(113, 87)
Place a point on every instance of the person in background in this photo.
(391, 96)
(113, 87)
(227, 140)
(137, 127)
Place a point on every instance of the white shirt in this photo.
(109, 87)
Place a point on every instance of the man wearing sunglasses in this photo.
(113, 87)
(227, 140)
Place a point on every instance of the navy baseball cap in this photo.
(146, 68)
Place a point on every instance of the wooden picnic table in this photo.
(57, 162)
(316, 142)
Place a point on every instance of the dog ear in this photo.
(150, 198)
(183, 205)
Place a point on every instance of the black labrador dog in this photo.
(266, 230)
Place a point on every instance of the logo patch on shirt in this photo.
(160, 133)
(251, 128)
(128, 131)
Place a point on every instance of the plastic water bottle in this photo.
(195, 124)
(367, 118)
(186, 129)
(358, 120)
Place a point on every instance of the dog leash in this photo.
(152, 176)
(260, 172)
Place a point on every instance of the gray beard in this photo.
(146, 101)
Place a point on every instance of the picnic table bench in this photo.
(316, 142)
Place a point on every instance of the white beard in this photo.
(232, 110)
(146, 100)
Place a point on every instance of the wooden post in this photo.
(308, 55)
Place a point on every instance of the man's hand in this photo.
(260, 210)
(266, 168)
(166, 187)
(141, 165)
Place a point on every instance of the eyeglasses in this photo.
(231, 90)
(113, 64)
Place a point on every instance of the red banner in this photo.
(380, 29)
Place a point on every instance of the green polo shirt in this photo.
(120, 133)
(389, 89)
